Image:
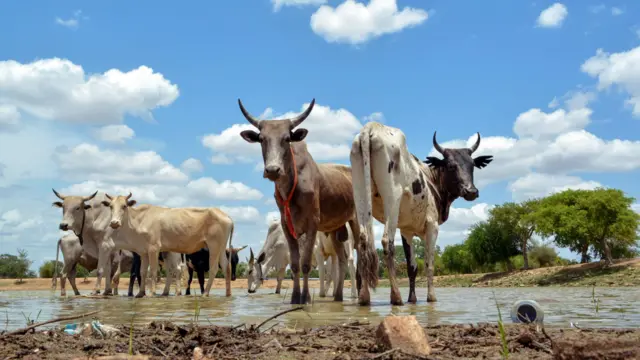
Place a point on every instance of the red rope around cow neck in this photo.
(286, 204)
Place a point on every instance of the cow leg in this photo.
(190, 271)
(307, 254)
(201, 280)
(329, 274)
(153, 268)
(339, 265)
(169, 281)
(104, 269)
(72, 280)
(412, 267)
(214, 258)
(116, 279)
(144, 270)
(134, 273)
(225, 266)
(321, 271)
(352, 268)
(294, 253)
(430, 250)
(281, 273)
(64, 274)
(132, 279)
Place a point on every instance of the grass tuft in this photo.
(503, 333)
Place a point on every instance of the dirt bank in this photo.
(349, 341)
(621, 273)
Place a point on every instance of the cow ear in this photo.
(106, 203)
(131, 202)
(299, 134)
(250, 136)
(482, 161)
(57, 204)
(261, 258)
(434, 162)
(87, 206)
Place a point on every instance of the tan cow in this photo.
(311, 197)
(149, 229)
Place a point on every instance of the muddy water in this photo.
(618, 307)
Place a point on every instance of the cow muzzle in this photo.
(251, 291)
(272, 172)
(64, 226)
(470, 194)
(114, 224)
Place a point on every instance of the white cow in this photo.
(89, 220)
(394, 187)
(73, 254)
(149, 229)
(275, 254)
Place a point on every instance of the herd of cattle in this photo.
(326, 212)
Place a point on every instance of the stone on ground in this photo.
(404, 333)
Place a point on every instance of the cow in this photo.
(199, 262)
(73, 254)
(326, 252)
(394, 187)
(311, 197)
(150, 229)
(172, 262)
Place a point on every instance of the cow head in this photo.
(275, 137)
(73, 208)
(457, 167)
(234, 260)
(255, 276)
(119, 206)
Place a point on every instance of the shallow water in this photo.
(618, 307)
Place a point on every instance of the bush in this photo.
(544, 255)
(48, 268)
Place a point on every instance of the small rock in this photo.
(405, 333)
(198, 354)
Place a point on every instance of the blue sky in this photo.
(117, 95)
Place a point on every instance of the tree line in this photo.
(596, 224)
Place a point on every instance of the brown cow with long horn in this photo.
(311, 197)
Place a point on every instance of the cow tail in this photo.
(54, 281)
(368, 255)
(227, 275)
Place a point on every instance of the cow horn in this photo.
(255, 122)
(108, 196)
(251, 257)
(300, 118)
(476, 145)
(242, 248)
(87, 198)
(58, 195)
(129, 196)
(436, 145)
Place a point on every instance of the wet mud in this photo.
(347, 341)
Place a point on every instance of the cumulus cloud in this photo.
(553, 16)
(191, 165)
(114, 133)
(81, 98)
(331, 132)
(356, 23)
(9, 118)
(535, 185)
(620, 69)
(279, 4)
(615, 11)
(73, 22)
(242, 214)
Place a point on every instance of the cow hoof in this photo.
(130, 294)
(412, 299)
(431, 298)
(63, 293)
(338, 298)
(179, 293)
(97, 292)
(140, 295)
(164, 294)
(77, 293)
(107, 293)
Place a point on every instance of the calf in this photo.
(149, 229)
(311, 197)
(199, 262)
(394, 187)
(326, 252)
(73, 254)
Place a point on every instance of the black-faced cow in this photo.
(199, 262)
(394, 187)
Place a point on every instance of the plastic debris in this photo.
(95, 327)
(527, 311)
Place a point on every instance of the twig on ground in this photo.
(24, 330)
(388, 352)
(278, 314)
(239, 326)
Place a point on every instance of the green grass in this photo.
(503, 333)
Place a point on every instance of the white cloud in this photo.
(538, 124)
(11, 216)
(356, 23)
(553, 16)
(9, 118)
(191, 165)
(330, 135)
(636, 207)
(87, 161)
(536, 185)
(13, 222)
(621, 69)
(597, 8)
(59, 89)
(73, 22)
(114, 133)
(226, 190)
(242, 214)
(278, 4)
(376, 117)
(615, 11)
(271, 216)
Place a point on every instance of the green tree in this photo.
(81, 271)
(582, 219)
(241, 270)
(488, 243)
(457, 259)
(48, 268)
(517, 219)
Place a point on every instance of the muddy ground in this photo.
(347, 341)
